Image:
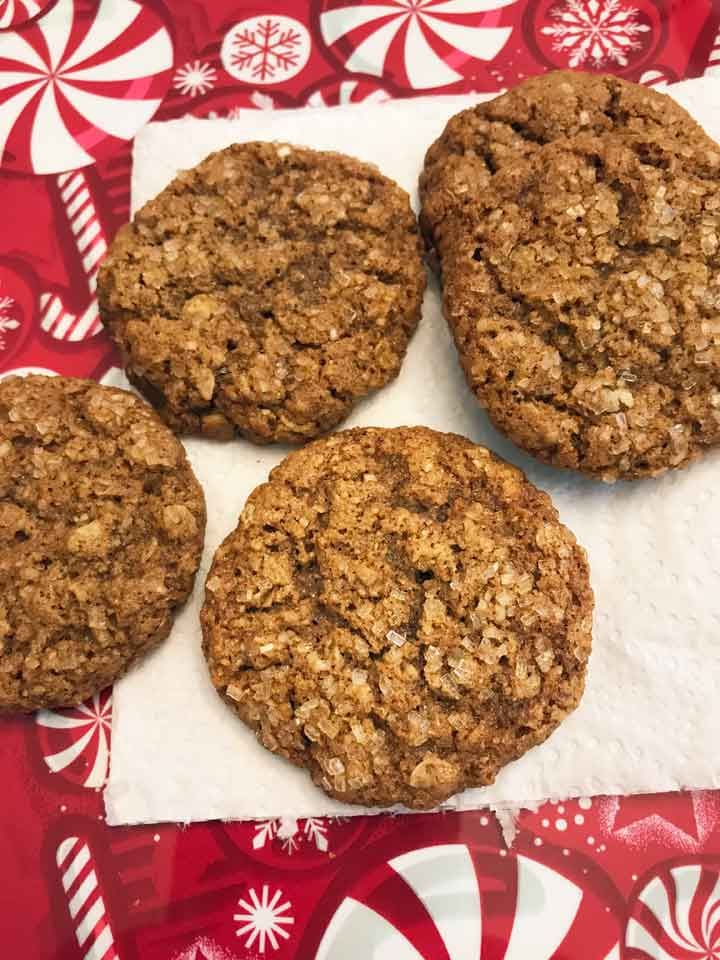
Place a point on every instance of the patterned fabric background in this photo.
(602, 879)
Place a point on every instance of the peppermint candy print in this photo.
(267, 49)
(236, 109)
(658, 78)
(420, 44)
(676, 916)
(80, 79)
(13, 13)
(445, 901)
(713, 65)
(340, 93)
(76, 742)
(26, 371)
(85, 902)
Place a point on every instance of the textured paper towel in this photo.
(650, 718)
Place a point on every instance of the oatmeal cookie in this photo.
(486, 138)
(401, 613)
(101, 530)
(265, 291)
(580, 273)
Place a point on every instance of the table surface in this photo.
(599, 879)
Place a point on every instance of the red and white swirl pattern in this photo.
(677, 916)
(420, 43)
(437, 902)
(82, 75)
(13, 13)
(713, 66)
(76, 742)
(345, 92)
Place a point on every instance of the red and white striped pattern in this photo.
(85, 903)
(713, 67)
(676, 915)
(656, 78)
(90, 244)
(15, 12)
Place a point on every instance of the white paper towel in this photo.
(650, 717)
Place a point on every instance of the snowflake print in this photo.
(264, 919)
(195, 78)
(595, 32)
(266, 49)
(265, 832)
(316, 831)
(291, 833)
(7, 321)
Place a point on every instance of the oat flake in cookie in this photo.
(401, 613)
(101, 530)
(577, 221)
(265, 291)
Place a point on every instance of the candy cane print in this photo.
(84, 900)
(90, 245)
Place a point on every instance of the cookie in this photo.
(581, 286)
(401, 613)
(265, 291)
(480, 141)
(101, 528)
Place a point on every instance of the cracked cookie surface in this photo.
(265, 291)
(401, 613)
(579, 252)
(101, 523)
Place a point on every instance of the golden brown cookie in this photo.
(484, 139)
(265, 291)
(101, 528)
(401, 613)
(581, 278)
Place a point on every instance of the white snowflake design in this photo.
(266, 49)
(195, 78)
(291, 833)
(7, 321)
(595, 32)
(264, 919)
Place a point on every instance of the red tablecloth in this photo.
(588, 880)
